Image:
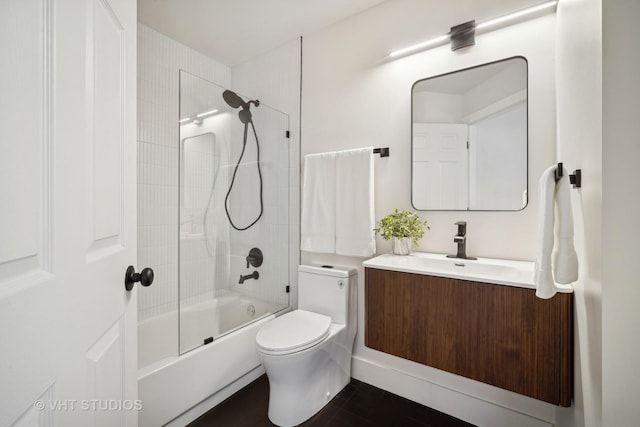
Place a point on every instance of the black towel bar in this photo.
(384, 151)
(575, 178)
(558, 173)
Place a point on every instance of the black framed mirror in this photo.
(469, 139)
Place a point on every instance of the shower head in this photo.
(233, 99)
(245, 115)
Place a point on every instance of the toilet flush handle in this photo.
(340, 284)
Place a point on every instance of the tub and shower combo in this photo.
(225, 272)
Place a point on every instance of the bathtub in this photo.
(175, 385)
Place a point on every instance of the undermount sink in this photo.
(486, 270)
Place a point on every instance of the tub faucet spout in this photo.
(253, 275)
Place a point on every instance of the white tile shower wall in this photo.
(159, 61)
(197, 172)
(270, 233)
(274, 78)
(204, 246)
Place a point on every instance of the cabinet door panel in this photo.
(499, 335)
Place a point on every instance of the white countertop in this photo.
(485, 270)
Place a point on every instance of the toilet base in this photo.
(301, 384)
(289, 408)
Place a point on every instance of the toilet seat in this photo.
(293, 332)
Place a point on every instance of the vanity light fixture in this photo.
(437, 41)
(515, 16)
(463, 35)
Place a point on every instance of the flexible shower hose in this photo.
(235, 171)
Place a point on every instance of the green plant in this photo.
(401, 224)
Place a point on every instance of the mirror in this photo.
(469, 139)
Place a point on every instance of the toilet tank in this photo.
(327, 290)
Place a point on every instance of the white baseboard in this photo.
(455, 403)
(215, 399)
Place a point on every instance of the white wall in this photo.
(360, 101)
(159, 61)
(352, 97)
(579, 64)
(274, 78)
(598, 110)
(621, 210)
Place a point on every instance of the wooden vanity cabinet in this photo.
(500, 335)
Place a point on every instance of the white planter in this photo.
(401, 245)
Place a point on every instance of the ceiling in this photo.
(234, 31)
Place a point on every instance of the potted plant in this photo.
(404, 228)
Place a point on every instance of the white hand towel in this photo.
(543, 278)
(565, 259)
(318, 219)
(355, 216)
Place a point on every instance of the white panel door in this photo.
(67, 213)
(440, 166)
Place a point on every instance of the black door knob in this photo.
(145, 277)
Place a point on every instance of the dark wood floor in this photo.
(358, 405)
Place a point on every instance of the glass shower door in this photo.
(234, 204)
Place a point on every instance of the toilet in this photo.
(307, 352)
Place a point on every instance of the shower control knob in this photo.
(255, 257)
(145, 277)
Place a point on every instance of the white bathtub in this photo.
(219, 316)
(175, 384)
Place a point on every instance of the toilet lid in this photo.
(294, 331)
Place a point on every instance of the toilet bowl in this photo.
(307, 352)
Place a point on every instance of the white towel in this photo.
(318, 219)
(565, 259)
(355, 216)
(543, 278)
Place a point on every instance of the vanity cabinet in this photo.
(500, 335)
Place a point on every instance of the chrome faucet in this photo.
(461, 240)
(253, 275)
